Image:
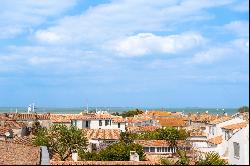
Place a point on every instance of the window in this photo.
(73, 122)
(236, 150)
(152, 149)
(226, 135)
(163, 149)
(100, 122)
(146, 149)
(158, 149)
(169, 149)
(106, 122)
(119, 125)
(213, 130)
(87, 124)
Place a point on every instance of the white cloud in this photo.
(45, 60)
(18, 16)
(241, 6)
(210, 55)
(236, 48)
(122, 18)
(146, 43)
(48, 37)
(240, 28)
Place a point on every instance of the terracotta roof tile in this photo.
(3, 130)
(13, 124)
(26, 116)
(220, 120)
(236, 126)
(26, 140)
(16, 154)
(118, 119)
(103, 134)
(202, 117)
(175, 122)
(216, 140)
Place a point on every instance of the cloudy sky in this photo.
(162, 53)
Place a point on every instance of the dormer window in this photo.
(100, 122)
(106, 122)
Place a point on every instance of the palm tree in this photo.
(211, 158)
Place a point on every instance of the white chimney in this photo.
(74, 156)
(134, 156)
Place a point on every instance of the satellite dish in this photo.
(7, 134)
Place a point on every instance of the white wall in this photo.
(122, 126)
(94, 124)
(196, 141)
(241, 137)
(218, 129)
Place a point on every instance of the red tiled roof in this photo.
(16, 154)
(13, 124)
(4, 118)
(137, 119)
(220, 120)
(215, 140)
(31, 116)
(236, 126)
(26, 140)
(103, 134)
(202, 117)
(3, 130)
(102, 163)
(118, 119)
(175, 122)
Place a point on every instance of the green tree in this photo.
(183, 159)
(89, 156)
(127, 137)
(42, 138)
(211, 158)
(166, 161)
(131, 113)
(115, 152)
(243, 109)
(62, 140)
(35, 127)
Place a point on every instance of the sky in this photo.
(119, 53)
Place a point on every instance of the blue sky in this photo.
(143, 53)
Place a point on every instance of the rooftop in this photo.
(17, 154)
(103, 134)
(220, 120)
(3, 130)
(215, 140)
(175, 122)
(236, 126)
(26, 116)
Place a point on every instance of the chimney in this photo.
(134, 156)
(74, 156)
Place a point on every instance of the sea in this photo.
(229, 111)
